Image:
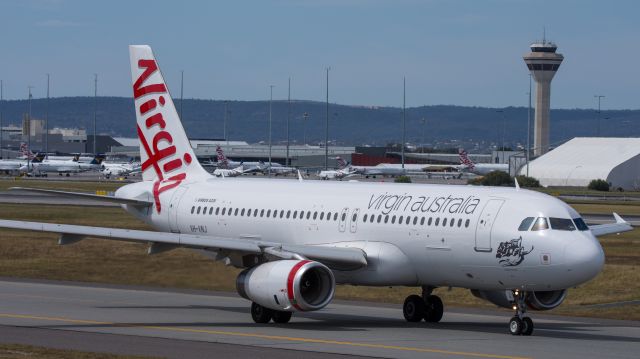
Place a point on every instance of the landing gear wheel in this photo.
(413, 308)
(281, 317)
(433, 309)
(260, 314)
(527, 326)
(515, 326)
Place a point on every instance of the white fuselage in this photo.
(471, 253)
(482, 169)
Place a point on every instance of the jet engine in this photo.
(539, 300)
(288, 285)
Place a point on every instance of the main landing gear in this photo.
(519, 324)
(263, 315)
(428, 307)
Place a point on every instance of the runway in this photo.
(192, 324)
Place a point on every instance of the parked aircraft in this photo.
(479, 168)
(296, 239)
(40, 165)
(225, 163)
(344, 170)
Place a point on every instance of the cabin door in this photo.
(485, 225)
(173, 208)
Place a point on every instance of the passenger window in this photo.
(262, 213)
(525, 224)
(466, 223)
(268, 213)
(308, 214)
(540, 224)
(204, 210)
(301, 214)
(444, 222)
(282, 213)
(562, 224)
(379, 218)
(354, 217)
(255, 212)
(288, 213)
(393, 219)
(217, 210)
(364, 218)
(343, 217)
(198, 211)
(430, 220)
(321, 216)
(580, 224)
(328, 216)
(242, 212)
(236, 212)
(437, 221)
(407, 220)
(372, 218)
(386, 218)
(193, 209)
(335, 216)
(452, 222)
(315, 215)
(459, 222)
(422, 221)
(415, 220)
(230, 211)
(210, 210)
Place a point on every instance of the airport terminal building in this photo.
(582, 159)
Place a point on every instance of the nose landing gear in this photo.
(428, 307)
(519, 324)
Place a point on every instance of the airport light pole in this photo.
(95, 111)
(270, 109)
(404, 122)
(326, 131)
(504, 127)
(304, 127)
(46, 123)
(181, 92)
(287, 163)
(224, 124)
(529, 127)
(599, 97)
(29, 130)
(424, 124)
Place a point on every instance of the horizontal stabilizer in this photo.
(88, 196)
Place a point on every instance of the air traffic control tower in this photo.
(543, 62)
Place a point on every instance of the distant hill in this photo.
(355, 125)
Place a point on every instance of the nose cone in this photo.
(584, 259)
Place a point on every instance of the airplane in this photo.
(118, 169)
(14, 165)
(344, 170)
(40, 165)
(479, 168)
(296, 240)
(373, 171)
(225, 163)
(234, 172)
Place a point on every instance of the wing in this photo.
(334, 257)
(134, 202)
(610, 228)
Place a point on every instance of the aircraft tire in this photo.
(281, 317)
(527, 326)
(433, 309)
(515, 326)
(413, 308)
(260, 314)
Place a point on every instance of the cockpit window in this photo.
(580, 224)
(526, 223)
(562, 224)
(540, 224)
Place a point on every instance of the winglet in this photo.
(618, 218)
(300, 176)
(515, 179)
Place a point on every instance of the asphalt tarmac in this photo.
(196, 324)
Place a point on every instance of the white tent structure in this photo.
(582, 159)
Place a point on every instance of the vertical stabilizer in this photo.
(166, 154)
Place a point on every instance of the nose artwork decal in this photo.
(512, 253)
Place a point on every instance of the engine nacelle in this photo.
(288, 285)
(539, 300)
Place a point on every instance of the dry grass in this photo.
(36, 255)
(62, 185)
(15, 351)
(627, 208)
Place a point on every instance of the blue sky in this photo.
(451, 51)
